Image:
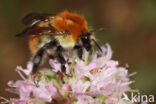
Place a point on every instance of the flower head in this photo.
(96, 79)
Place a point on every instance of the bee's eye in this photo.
(85, 36)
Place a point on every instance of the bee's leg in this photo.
(79, 51)
(60, 58)
(39, 55)
(37, 60)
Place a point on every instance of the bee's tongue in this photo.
(97, 45)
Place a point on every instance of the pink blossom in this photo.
(56, 66)
(27, 90)
(144, 102)
(16, 101)
(28, 70)
(96, 79)
(79, 87)
(86, 100)
(65, 87)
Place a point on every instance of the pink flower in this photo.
(65, 87)
(56, 66)
(44, 92)
(79, 87)
(28, 70)
(27, 90)
(16, 101)
(97, 79)
(86, 100)
(144, 102)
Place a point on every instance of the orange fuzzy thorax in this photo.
(71, 23)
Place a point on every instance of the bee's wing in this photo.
(36, 31)
(33, 30)
(34, 18)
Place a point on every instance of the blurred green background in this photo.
(131, 33)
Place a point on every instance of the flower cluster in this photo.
(95, 79)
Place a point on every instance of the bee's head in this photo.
(87, 39)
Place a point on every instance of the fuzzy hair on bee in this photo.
(53, 34)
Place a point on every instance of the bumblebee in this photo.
(52, 34)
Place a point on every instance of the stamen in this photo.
(20, 74)
(132, 74)
(5, 100)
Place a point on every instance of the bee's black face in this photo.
(86, 40)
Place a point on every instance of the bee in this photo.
(52, 34)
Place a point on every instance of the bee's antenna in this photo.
(100, 29)
(97, 45)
